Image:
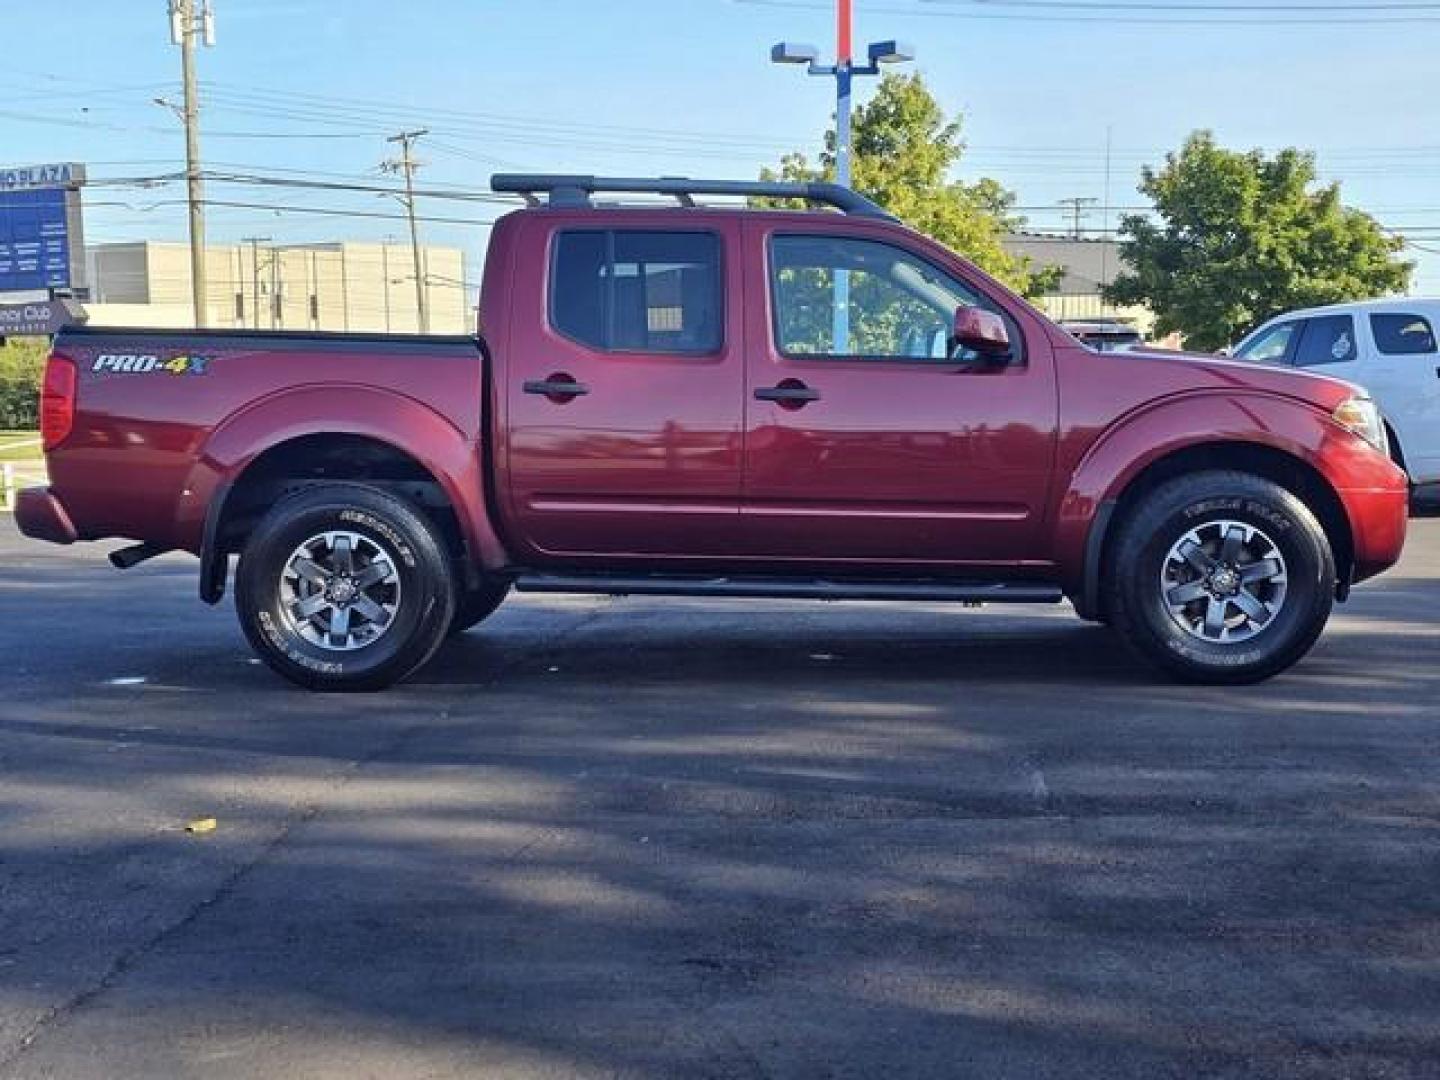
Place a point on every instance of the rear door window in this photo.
(1328, 339)
(1270, 346)
(637, 291)
(1399, 334)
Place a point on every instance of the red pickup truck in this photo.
(719, 401)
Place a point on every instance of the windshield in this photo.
(1270, 345)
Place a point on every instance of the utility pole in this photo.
(277, 315)
(255, 242)
(1107, 236)
(1077, 206)
(385, 276)
(407, 166)
(190, 19)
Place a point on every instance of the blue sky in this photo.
(684, 87)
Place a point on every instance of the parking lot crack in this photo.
(129, 958)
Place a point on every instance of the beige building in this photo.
(339, 286)
(1088, 264)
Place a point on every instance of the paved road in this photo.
(698, 839)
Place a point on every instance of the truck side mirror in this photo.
(980, 331)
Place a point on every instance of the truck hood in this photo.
(1323, 391)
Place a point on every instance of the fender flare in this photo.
(452, 457)
(1141, 439)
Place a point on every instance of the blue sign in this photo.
(34, 239)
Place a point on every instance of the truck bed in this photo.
(163, 416)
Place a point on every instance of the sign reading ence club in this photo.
(38, 319)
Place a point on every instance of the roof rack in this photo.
(567, 191)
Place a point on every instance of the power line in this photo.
(462, 195)
(1206, 6)
(532, 131)
(371, 109)
(284, 208)
(490, 198)
(1358, 17)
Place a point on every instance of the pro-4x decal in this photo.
(147, 363)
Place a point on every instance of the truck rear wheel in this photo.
(344, 587)
(1221, 577)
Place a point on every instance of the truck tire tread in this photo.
(414, 547)
(1134, 599)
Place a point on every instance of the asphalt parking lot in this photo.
(640, 838)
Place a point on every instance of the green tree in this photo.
(22, 362)
(904, 149)
(1241, 237)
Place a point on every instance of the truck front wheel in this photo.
(344, 587)
(1221, 577)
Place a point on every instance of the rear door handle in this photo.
(790, 392)
(556, 386)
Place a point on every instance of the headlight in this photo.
(1360, 415)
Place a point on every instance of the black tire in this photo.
(370, 534)
(1154, 564)
(478, 605)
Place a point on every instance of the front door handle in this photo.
(557, 387)
(791, 393)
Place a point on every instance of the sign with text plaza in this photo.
(41, 244)
(25, 177)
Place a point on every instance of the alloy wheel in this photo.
(1224, 582)
(340, 591)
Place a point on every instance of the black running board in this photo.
(785, 588)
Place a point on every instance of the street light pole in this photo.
(844, 75)
(843, 71)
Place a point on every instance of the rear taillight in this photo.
(57, 401)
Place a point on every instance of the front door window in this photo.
(858, 299)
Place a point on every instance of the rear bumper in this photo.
(1379, 518)
(41, 516)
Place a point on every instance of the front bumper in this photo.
(1379, 518)
(41, 516)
